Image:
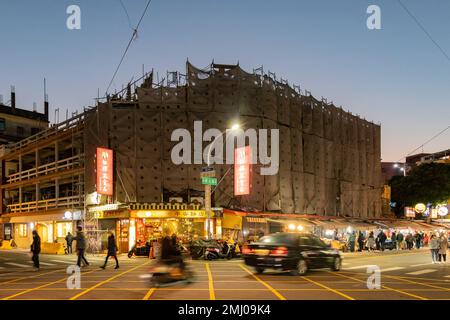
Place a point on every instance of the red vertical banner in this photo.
(242, 163)
(104, 171)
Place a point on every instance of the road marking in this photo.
(447, 276)
(44, 263)
(106, 281)
(31, 277)
(419, 283)
(392, 269)
(386, 287)
(416, 273)
(62, 261)
(37, 288)
(328, 288)
(2, 268)
(275, 292)
(149, 294)
(421, 264)
(358, 267)
(212, 295)
(17, 264)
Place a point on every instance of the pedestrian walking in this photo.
(112, 251)
(418, 239)
(443, 246)
(81, 247)
(351, 241)
(382, 239)
(361, 241)
(36, 249)
(371, 242)
(434, 248)
(69, 240)
(399, 242)
(426, 239)
(394, 239)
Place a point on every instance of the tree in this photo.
(427, 183)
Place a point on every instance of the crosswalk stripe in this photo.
(17, 264)
(421, 264)
(358, 267)
(415, 273)
(2, 268)
(447, 277)
(392, 269)
(62, 261)
(44, 263)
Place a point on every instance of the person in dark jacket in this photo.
(112, 251)
(36, 249)
(81, 247)
(383, 238)
(69, 240)
(361, 241)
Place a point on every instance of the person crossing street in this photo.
(112, 251)
(81, 247)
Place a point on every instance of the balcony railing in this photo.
(52, 131)
(68, 163)
(66, 202)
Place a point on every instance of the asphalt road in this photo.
(404, 275)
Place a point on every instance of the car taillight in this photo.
(280, 251)
(247, 250)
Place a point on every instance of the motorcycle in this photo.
(169, 273)
(139, 250)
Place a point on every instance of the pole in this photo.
(208, 209)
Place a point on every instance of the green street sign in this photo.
(210, 181)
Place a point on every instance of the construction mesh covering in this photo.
(329, 158)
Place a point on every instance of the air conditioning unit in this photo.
(176, 199)
(199, 200)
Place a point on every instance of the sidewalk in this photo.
(379, 253)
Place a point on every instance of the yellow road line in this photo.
(106, 281)
(275, 292)
(419, 283)
(383, 286)
(149, 294)
(328, 288)
(31, 277)
(38, 288)
(212, 295)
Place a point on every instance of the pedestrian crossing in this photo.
(17, 264)
(416, 273)
(392, 269)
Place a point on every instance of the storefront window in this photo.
(22, 230)
(62, 228)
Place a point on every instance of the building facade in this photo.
(329, 159)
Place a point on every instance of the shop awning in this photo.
(399, 224)
(56, 215)
(230, 221)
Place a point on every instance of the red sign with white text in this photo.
(242, 163)
(104, 171)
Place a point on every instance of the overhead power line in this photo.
(133, 36)
(424, 30)
(426, 142)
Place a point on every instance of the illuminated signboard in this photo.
(242, 163)
(442, 211)
(104, 171)
(420, 208)
(409, 212)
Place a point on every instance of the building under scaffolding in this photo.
(329, 158)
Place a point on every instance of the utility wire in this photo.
(423, 29)
(126, 12)
(133, 36)
(428, 141)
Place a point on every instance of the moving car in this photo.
(295, 252)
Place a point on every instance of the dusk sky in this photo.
(395, 76)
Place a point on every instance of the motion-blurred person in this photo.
(36, 249)
(443, 246)
(382, 239)
(69, 240)
(394, 239)
(361, 241)
(351, 241)
(371, 242)
(81, 247)
(399, 242)
(112, 251)
(434, 248)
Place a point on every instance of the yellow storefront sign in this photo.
(161, 214)
(230, 221)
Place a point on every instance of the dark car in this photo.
(295, 252)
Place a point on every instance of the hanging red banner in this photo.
(104, 171)
(242, 163)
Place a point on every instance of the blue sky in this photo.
(395, 76)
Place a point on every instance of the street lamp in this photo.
(234, 127)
